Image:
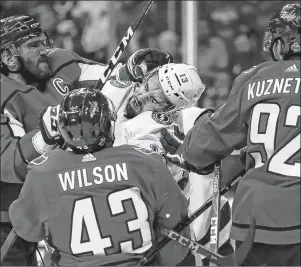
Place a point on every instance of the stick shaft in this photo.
(192, 245)
(181, 225)
(123, 44)
(215, 209)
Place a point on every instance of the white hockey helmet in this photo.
(181, 84)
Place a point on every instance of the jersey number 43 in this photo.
(277, 158)
(84, 215)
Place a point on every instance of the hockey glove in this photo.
(48, 125)
(172, 145)
(145, 60)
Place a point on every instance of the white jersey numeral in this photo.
(84, 216)
(141, 223)
(278, 161)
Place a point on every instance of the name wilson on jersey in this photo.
(89, 176)
(273, 86)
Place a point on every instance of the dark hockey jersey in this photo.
(102, 208)
(262, 112)
(20, 108)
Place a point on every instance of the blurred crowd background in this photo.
(229, 33)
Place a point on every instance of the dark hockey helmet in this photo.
(284, 26)
(86, 120)
(15, 30)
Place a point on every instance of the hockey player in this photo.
(156, 104)
(262, 112)
(149, 109)
(97, 204)
(35, 76)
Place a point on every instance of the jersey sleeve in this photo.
(215, 136)
(26, 212)
(18, 148)
(172, 207)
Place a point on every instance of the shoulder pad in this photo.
(162, 118)
(120, 84)
(39, 160)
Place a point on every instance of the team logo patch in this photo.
(162, 118)
(120, 84)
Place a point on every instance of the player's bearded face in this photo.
(148, 96)
(34, 57)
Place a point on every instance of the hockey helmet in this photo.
(86, 120)
(285, 26)
(181, 84)
(15, 30)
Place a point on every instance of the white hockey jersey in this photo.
(144, 129)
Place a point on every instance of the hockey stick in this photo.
(215, 209)
(9, 241)
(181, 225)
(233, 259)
(123, 44)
